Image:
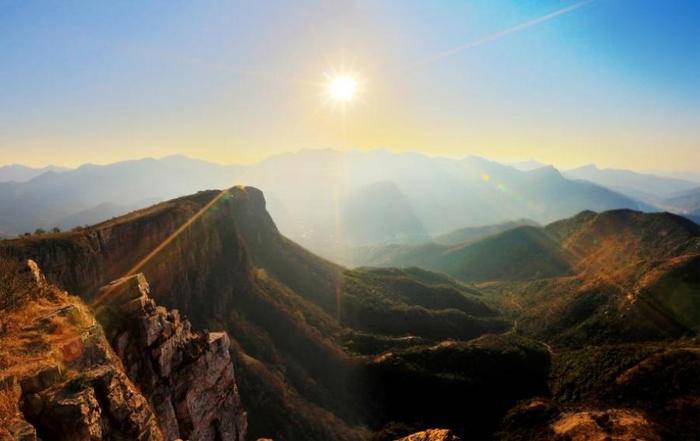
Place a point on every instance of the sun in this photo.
(342, 88)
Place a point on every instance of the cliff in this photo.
(62, 379)
(297, 322)
(187, 375)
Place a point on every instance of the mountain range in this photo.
(22, 173)
(586, 326)
(335, 202)
(649, 188)
(687, 203)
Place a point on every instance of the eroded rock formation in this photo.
(432, 435)
(62, 379)
(188, 376)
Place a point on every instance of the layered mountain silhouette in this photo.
(444, 194)
(334, 202)
(324, 352)
(95, 192)
(649, 188)
(22, 173)
(687, 203)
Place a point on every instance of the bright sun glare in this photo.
(342, 88)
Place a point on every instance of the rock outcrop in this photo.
(547, 420)
(60, 378)
(432, 435)
(188, 376)
(603, 425)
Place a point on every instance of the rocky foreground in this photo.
(141, 374)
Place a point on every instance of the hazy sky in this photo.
(613, 82)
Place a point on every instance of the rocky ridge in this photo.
(432, 435)
(187, 375)
(62, 379)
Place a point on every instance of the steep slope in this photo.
(323, 352)
(521, 253)
(60, 378)
(147, 376)
(187, 376)
(289, 312)
(624, 244)
(635, 279)
(206, 271)
(518, 254)
(613, 276)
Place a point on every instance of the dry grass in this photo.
(37, 326)
(9, 403)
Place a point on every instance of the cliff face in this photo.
(62, 380)
(285, 309)
(188, 376)
(84, 261)
(283, 342)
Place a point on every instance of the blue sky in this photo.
(612, 82)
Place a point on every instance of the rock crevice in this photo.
(188, 376)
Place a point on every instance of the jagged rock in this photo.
(187, 376)
(99, 402)
(606, 425)
(41, 380)
(72, 415)
(432, 435)
(73, 387)
(17, 429)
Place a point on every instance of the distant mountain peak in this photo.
(23, 173)
(546, 171)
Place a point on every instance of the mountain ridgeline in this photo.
(304, 330)
(346, 199)
(325, 352)
(578, 270)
